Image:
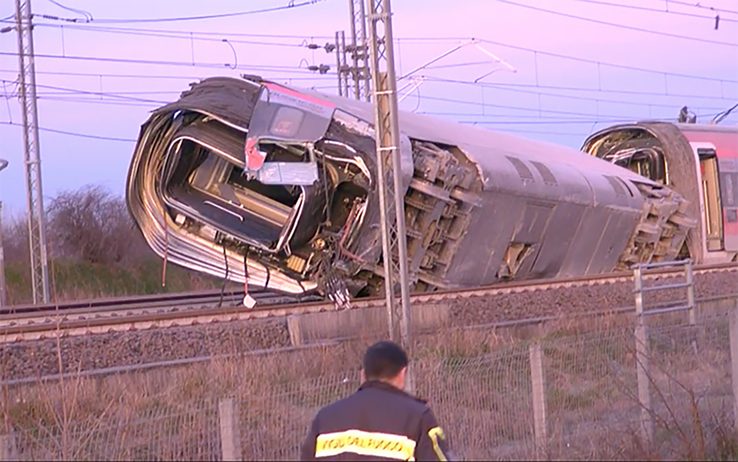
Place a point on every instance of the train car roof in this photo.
(483, 146)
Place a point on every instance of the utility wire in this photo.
(104, 102)
(158, 76)
(575, 58)
(141, 30)
(95, 93)
(159, 62)
(79, 135)
(657, 10)
(503, 87)
(175, 35)
(580, 89)
(86, 14)
(186, 35)
(621, 26)
(289, 6)
(698, 5)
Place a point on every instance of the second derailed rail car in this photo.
(246, 179)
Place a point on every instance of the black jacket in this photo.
(378, 422)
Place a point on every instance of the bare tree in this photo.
(92, 225)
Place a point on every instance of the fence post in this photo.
(7, 447)
(230, 436)
(539, 399)
(690, 294)
(642, 369)
(691, 303)
(734, 361)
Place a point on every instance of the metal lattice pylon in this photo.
(359, 52)
(32, 158)
(391, 201)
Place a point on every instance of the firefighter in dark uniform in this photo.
(379, 421)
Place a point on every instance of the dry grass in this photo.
(478, 383)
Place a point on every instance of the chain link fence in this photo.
(572, 396)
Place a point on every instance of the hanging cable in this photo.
(225, 278)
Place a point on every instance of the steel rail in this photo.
(59, 322)
(504, 324)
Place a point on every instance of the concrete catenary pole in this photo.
(32, 154)
(3, 288)
(391, 199)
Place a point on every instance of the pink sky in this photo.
(524, 102)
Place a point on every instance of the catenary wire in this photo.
(424, 39)
(621, 26)
(657, 10)
(289, 6)
(77, 134)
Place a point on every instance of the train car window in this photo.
(521, 168)
(729, 188)
(546, 174)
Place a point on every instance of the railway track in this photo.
(33, 322)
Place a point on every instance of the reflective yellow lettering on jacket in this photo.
(385, 445)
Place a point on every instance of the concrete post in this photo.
(539, 399)
(230, 436)
(7, 448)
(642, 355)
(691, 303)
(3, 287)
(734, 361)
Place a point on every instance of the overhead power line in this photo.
(574, 58)
(173, 35)
(696, 4)
(194, 35)
(86, 14)
(618, 25)
(143, 30)
(658, 10)
(580, 89)
(295, 69)
(289, 6)
(158, 76)
(77, 134)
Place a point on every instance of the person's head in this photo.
(387, 362)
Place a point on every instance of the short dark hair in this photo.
(384, 360)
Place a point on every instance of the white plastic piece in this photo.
(248, 301)
(289, 173)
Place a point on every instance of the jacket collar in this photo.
(386, 386)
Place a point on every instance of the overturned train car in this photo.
(246, 179)
(698, 161)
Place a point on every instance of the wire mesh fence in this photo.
(574, 396)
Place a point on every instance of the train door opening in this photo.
(711, 197)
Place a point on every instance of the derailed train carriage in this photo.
(698, 161)
(246, 179)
